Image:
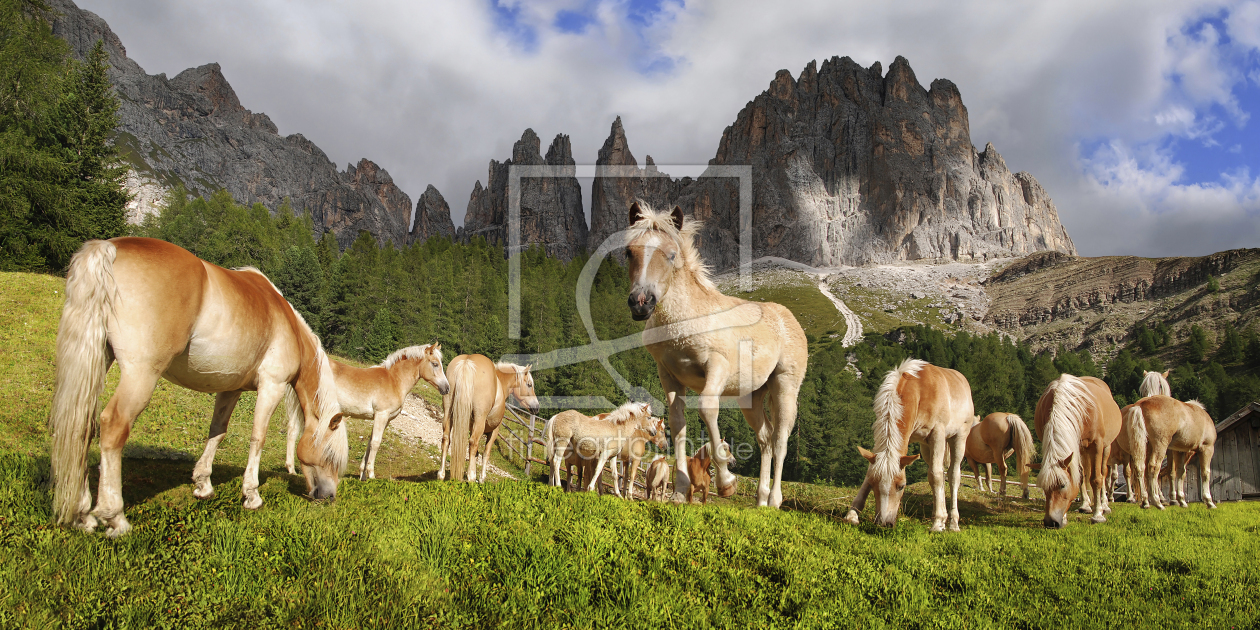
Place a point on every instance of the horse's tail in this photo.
(1022, 441)
(297, 422)
(82, 361)
(1135, 427)
(461, 416)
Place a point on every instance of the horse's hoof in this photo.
(253, 503)
(678, 498)
(1107, 510)
(204, 492)
(1211, 505)
(953, 527)
(851, 518)
(937, 528)
(1086, 509)
(119, 527)
(292, 470)
(1098, 519)
(1159, 505)
(86, 523)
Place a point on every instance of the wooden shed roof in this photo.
(1239, 416)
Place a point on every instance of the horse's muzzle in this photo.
(1051, 523)
(641, 305)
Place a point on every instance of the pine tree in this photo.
(301, 281)
(380, 339)
(1232, 347)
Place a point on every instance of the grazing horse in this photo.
(1077, 420)
(1158, 424)
(474, 406)
(571, 434)
(714, 344)
(994, 439)
(377, 394)
(161, 312)
(917, 402)
(656, 479)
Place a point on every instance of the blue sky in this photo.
(1141, 118)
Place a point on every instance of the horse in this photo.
(714, 344)
(377, 394)
(656, 478)
(599, 438)
(1158, 424)
(633, 450)
(1121, 457)
(161, 312)
(699, 469)
(1154, 383)
(994, 439)
(474, 406)
(1077, 420)
(917, 402)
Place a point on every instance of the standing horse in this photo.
(1121, 458)
(1154, 383)
(377, 394)
(160, 312)
(570, 438)
(994, 439)
(917, 402)
(1077, 420)
(1158, 424)
(632, 451)
(474, 406)
(714, 344)
(656, 478)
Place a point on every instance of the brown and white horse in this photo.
(713, 344)
(377, 394)
(994, 439)
(1077, 420)
(1158, 424)
(474, 406)
(160, 312)
(917, 402)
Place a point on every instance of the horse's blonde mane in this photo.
(1196, 403)
(624, 413)
(1062, 432)
(1153, 384)
(411, 352)
(651, 220)
(889, 442)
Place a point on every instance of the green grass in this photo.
(815, 313)
(881, 310)
(412, 552)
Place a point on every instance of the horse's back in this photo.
(1106, 416)
(940, 397)
(161, 290)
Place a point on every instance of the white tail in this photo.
(1022, 441)
(461, 416)
(82, 361)
(1135, 426)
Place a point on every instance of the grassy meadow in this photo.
(411, 552)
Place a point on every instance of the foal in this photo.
(698, 470)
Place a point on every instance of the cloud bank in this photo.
(1135, 116)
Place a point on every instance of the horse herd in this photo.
(158, 311)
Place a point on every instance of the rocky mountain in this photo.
(192, 130)
(551, 207)
(619, 181)
(433, 217)
(851, 166)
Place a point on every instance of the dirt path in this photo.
(852, 325)
(421, 422)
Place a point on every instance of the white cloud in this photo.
(433, 90)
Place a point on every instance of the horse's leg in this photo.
(783, 391)
(1205, 475)
(710, 402)
(755, 415)
(1002, 470)
(476, 430)
(446, 431)
(1156, 450)
(269, 396)
(224, 404)
(593, 483)
(367, 467)
(988, 477)
(1095, 458)
(1104, 491)
(485, 458)
(1181, 461)
(675, 396)
(958, 448)
(935, 450)
(859, 502)
(135, 387)
(633, 475)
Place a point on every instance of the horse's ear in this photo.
(677, 216)
(636, 213)
(335, 422)
(906, 460)
(1066, 461)
(870, 457)
(1166, 373)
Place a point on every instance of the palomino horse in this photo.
(1121, 458)
(1158, 424)
(917, 402)
(656, 478)
(992, 440)
(1154, 383)
(1077, 420)
(160, 312)
(377, 394)
(474, 406)
(633, 450)
(594, 439)
(714, 344)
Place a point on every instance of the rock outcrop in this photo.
(433, 217)
(619, 181)
(850, 166)
(192, 130)
(551, 207)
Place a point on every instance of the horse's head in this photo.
(654, 253)
(523, 388)
(323, 455)
(1055, 479)
(659, 439)
(886, 477)
(431, 368)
